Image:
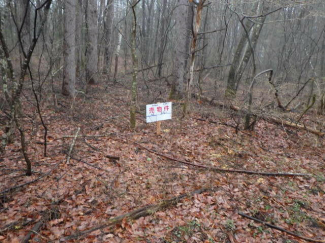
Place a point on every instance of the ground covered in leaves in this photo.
(110, 174)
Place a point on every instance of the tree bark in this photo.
(134, 87)
(69, 52)
(117, 54)
(108, 25)
(181, 50)
(92, 34)
(162, 37)
(195, 31)
(80, 37)
(24, 21)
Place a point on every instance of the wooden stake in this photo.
(158, 127)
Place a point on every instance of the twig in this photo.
(215, 66)
(301, 89)
(15, 224)
(72, 145)
(280, 229)
(307, 108)
(112, 158)
(209, 32)
(48, 215)
(138, 213)
(94, 166)
(36, 228)
(24, 184)
(88, 136)
(223, 170)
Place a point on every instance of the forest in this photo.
(162, 121)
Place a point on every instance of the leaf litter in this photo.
(92, 188)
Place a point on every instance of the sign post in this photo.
(159, 112)
(158, 127)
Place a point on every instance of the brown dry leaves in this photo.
(88, 197)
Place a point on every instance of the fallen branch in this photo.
(94, 166)
(294, 125)
(112, 158)
(16, 225)
(266, 118)
(45, 218)
(223, 124)
(223, 170)
(138, 213)
(2, 193)
(72, 145)
(24, 184)
(280, 229)
(88, 136)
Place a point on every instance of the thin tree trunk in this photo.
(143, 33)
(243, 53)
(149, 32)
(17, 88)
(117, 54)
(203, 56)
(135, 67)
(162, 37)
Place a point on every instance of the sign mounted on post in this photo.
(159, 112)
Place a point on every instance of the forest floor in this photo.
(113, 170)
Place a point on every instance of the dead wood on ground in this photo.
(46, 216)
(223, 170)
(271, 119)
(138, 213)
(280, 229)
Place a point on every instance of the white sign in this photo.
(159, 112)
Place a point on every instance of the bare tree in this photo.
(16, 84)
(245, 50)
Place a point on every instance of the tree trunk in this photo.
(244, 51)
(108, 25)
(134, 88)
(203, 56)
(181, 50)
(195, 31)
(69, 67)
(143, 32)
(149, 32)
(79, 37)
(162, 37)
(117, 54)
(24, 21)
(92, 34)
